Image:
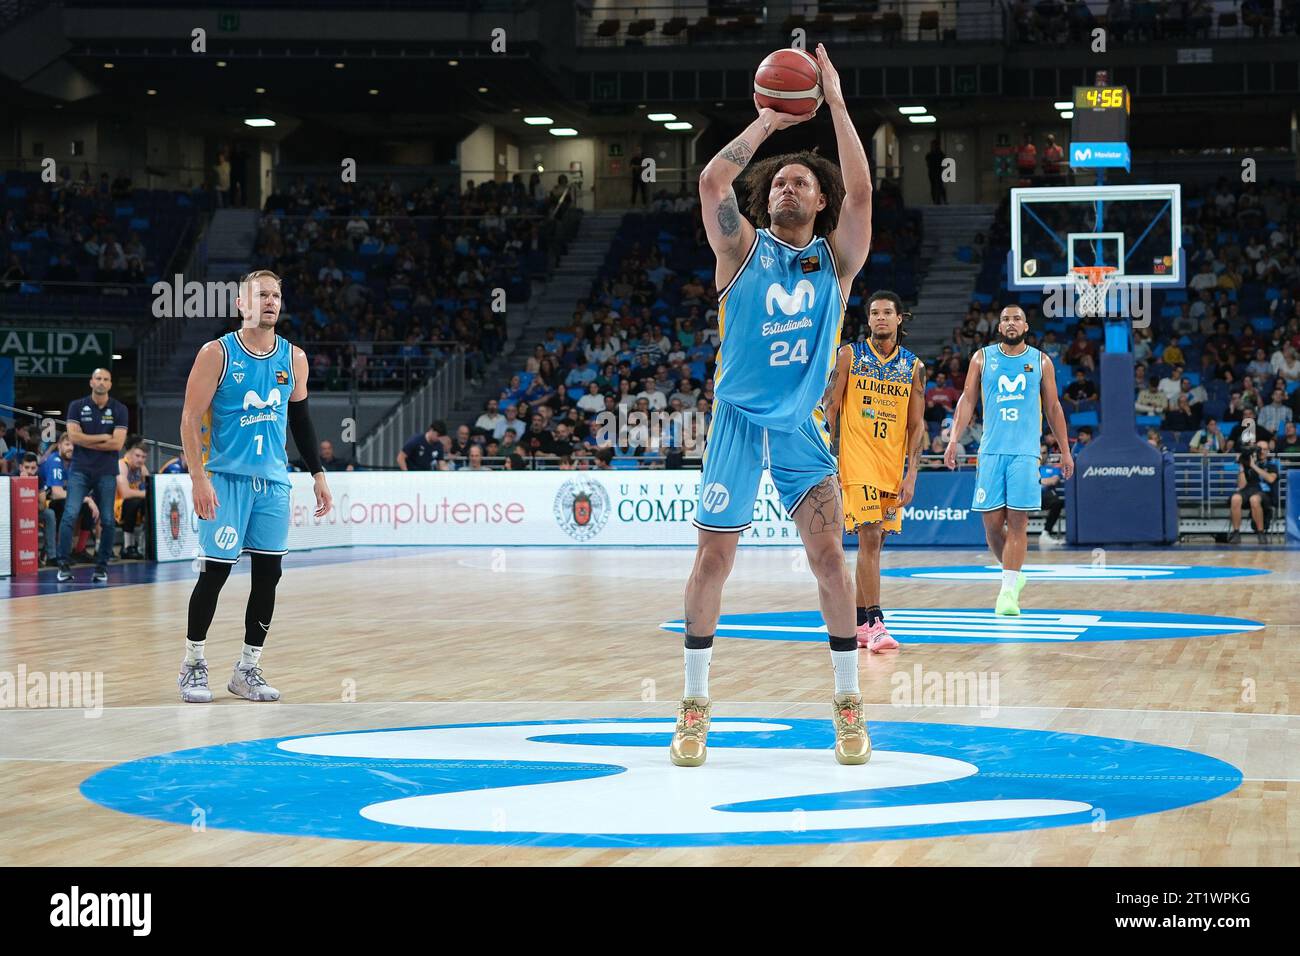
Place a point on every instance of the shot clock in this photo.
(1099, 130)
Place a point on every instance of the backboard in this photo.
(1135, 229)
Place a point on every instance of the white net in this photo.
(1091, 286)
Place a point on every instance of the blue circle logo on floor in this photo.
(933, 625)
(1073, 572)
(608, 783)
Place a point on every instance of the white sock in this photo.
(193, 651)
(846, 671)
(697, 671)
(128, 539)
(1009, 579)
(250, 656)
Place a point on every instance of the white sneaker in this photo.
(193, 682)
(1046, 540)
(248, 683)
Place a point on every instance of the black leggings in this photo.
(265, 575)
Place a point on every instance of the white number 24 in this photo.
(782, 354)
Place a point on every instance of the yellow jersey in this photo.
(134, 479)
(873, 417)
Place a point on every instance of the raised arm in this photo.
(961, 416)
(731, 234)
(1056, 416)
(851, 239)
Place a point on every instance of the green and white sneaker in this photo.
(1009, 598)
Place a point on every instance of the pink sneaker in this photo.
(876, 638)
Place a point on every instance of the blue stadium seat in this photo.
(1149, 421)
(1078, 419)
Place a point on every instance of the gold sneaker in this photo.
(852, 742)
(690, 742)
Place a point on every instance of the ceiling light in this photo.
(1062, 105)
(661, 117)
(260, 89)
(339, 66)
(482, 89)
(453, 62)
(563, 131)
(912, 110)
(221, 63)
(1068, 114)
(259, 122)
(374, 92)
(923, 119)
(677, 126)
(538, 120)
(151, 92)
(108, 66)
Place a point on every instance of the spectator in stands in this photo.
(1150, 400)
(491, 417)
(1027, 157)
(1257, 480)
(221, 179)
(512, 424)
(1051, 480)
(1082, 352)
(175, 466)
(1276, 414)
(1180, 417)
(1288, 442)
(460, 444)
(52, 483)
(425, 452)
(593, 403)
(474, 459)
(329, 462)
(112, 261)
(1259, 365)
(1209, 440)
(1080, 390)
(1286, 363)
(1171, 386)
(940, 398)
(132, 495)
(1082, 439)
(1247, 432)
(1155, 440)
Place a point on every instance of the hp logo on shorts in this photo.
(226, 538)
(980, 495)
(715, 497)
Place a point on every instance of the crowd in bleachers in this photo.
(382, 283)
(81, 230)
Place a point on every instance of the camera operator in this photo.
(1256, 486)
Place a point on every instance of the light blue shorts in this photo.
(735, 454)
(252, 515)
(1007, 481)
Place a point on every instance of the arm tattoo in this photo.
(829, 395)
(729, 216)
(739, 153)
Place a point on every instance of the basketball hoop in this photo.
(1091, 283)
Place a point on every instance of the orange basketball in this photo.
(789, 81)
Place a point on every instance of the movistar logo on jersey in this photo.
(1016, 384)
(251, 400)
(791, 303)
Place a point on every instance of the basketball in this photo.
(789, 81)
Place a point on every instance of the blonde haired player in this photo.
(875, 403)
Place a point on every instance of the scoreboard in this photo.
(1099, 129)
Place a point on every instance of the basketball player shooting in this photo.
(234, 422)
(876, 411)
(784, 279)
(1017, 383)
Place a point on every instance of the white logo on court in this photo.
(226, 538)
(715, 497)
(1005, 384)
(980, 495)
(791, 303)
(251, 400)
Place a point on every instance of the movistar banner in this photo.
(1099, 155)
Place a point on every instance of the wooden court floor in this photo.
(410, 638)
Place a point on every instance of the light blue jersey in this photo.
(1013, 405)
(779, 320)
(245, 429)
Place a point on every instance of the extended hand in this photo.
(908, 491)
(1067, 464)
(950, 456)
(830, 78)
(324, 500)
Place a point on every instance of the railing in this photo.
(375, 366)
(829, 21)
(409, 178)
(85, 175)
(1205, 482)
(432, 401)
